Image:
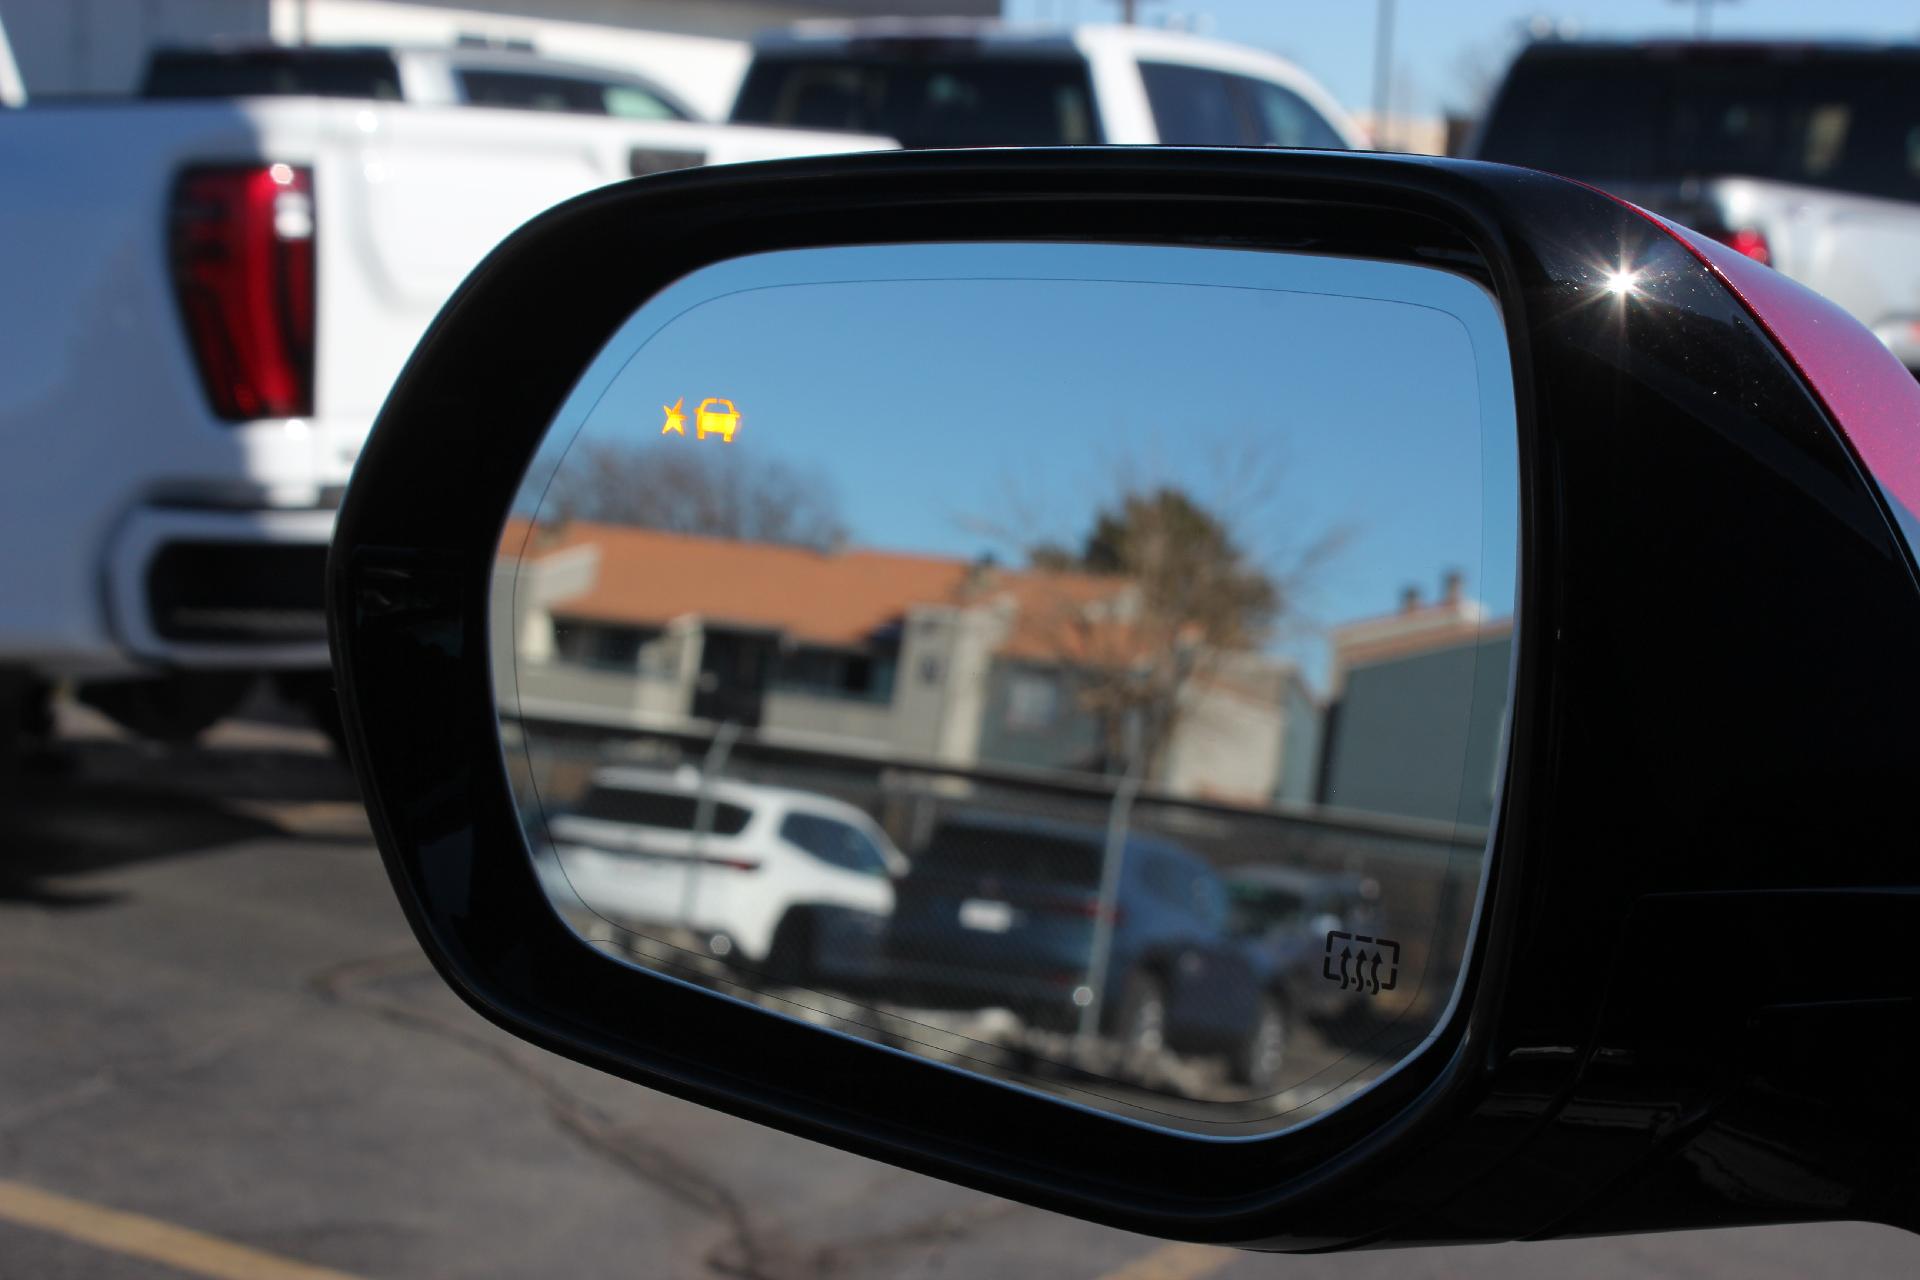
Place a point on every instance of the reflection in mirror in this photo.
(1083, 665)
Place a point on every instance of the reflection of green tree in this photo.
(1191, 598)
(678, 487)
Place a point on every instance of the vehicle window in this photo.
(1254, 909)
(1208, 900)
(1187, 889)
(1850, 123)
(838, 843)
(1194, 107)
(954, 102)
(667, 810)
(579, 95)
(631, 102)
(525, 92)
(964, 849)
(1282, 118)
(1165, 880)
(272, 73)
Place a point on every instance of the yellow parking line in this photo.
(147, 1238)
(1175, 1262)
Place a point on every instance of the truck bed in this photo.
(109, 448)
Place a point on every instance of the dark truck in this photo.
(1001, 911)
(1803, 156)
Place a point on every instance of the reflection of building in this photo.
(1420, 135)
(1418, 710)
(923, 656)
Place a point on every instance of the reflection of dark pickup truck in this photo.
(1806, 157)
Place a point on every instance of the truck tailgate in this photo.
(425, 192)
(106, 430)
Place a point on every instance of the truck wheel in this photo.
(170, 708)
(790, 956)
(1256, 1061)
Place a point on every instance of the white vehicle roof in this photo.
(508, 59)
(440, 59)
(1088, 41)
(767, 803)
(831, 33)
(465, 55)
(686, 781)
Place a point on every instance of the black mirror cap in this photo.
(1688, 999)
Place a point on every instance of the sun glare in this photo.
(1621, 283)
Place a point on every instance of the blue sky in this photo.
(1440, 45)
(1013, 390)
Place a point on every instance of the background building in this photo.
(1417, 718)
(928, 657)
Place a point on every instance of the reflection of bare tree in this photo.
(1162, 597)
(716, 492)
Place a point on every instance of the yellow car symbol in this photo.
(718, 422)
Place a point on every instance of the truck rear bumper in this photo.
(221, 589)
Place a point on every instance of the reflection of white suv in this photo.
(961, 83)
(770, 856)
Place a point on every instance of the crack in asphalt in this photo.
(748, 1249)
(111, 1078)
(80, 1094)
(351, 984)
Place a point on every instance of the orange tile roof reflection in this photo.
(648, 577)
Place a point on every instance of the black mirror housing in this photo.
(1687, 999)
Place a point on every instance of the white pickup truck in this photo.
(1803, 156)
(204, 304)
(958, 82)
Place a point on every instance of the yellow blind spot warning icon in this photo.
(717, 422)
(676, 420)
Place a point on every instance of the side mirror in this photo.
(1094, 521)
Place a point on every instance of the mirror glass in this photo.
(1084, 665)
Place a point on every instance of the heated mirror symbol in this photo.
(1369, 965)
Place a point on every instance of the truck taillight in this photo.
(1076, 905)
(242, 252)
(1749, 242)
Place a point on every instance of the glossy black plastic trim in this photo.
(1660, 435)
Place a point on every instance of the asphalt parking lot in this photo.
(221, 1054)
